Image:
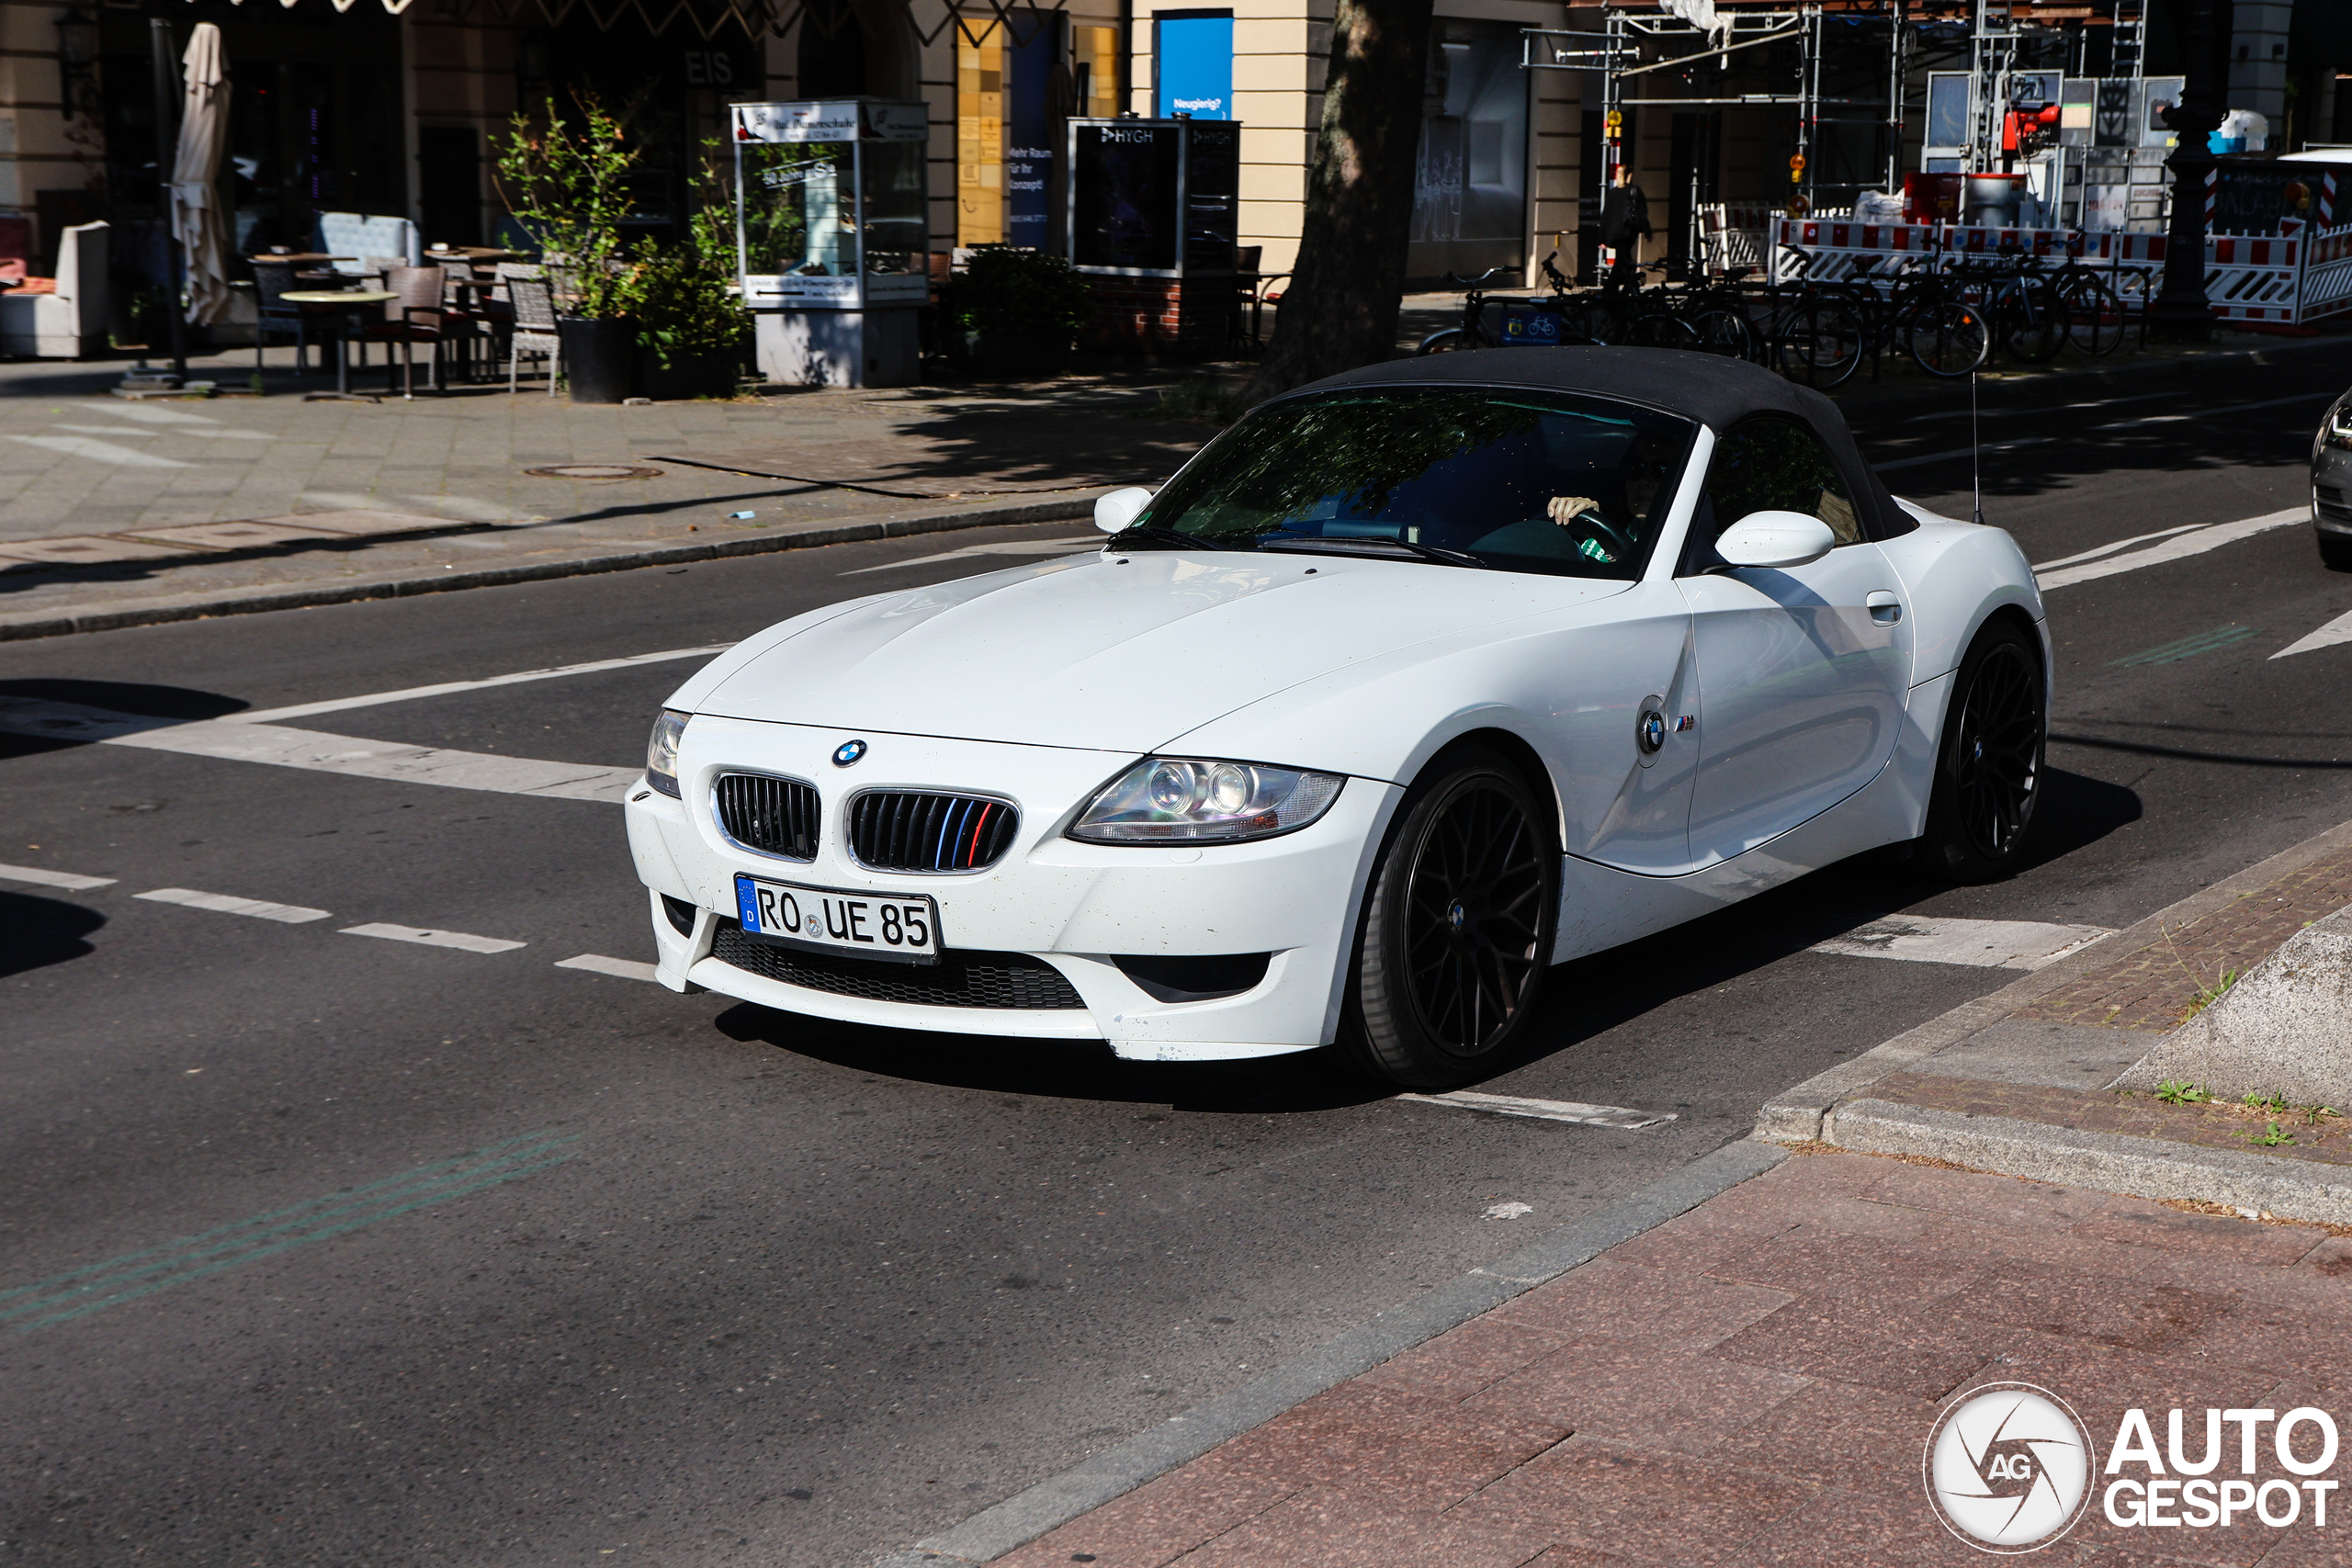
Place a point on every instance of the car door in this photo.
(1804, 672)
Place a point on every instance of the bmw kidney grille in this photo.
(773, 815)
(910, 830)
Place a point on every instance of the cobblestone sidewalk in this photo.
(1753, 1383)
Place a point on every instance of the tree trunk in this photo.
(1339, 310)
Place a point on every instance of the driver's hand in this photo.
(1563, 509)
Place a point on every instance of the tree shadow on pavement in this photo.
(19, 737)
(36, 932)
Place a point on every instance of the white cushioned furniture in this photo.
(72, 322)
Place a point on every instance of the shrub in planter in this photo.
(1022, 309)
(691, 324)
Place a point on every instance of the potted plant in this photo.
(567, 184)
(688, 308)
(1022, 309)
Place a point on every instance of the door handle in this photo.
(1884, 607)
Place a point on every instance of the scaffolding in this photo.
(1846, 67)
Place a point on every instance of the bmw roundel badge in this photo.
(848, 751)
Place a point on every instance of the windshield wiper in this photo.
(1133, 539)
(1312, 544)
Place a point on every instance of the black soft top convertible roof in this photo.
(1716, 391)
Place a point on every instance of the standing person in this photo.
(1624, 223)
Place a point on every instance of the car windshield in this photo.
(1506, 478)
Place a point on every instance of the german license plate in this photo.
(902, 926)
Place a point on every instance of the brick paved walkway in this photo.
(2156, 986)
(1753, 1383)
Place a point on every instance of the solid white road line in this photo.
(1068, 544)
(291, 914)
(2112, 545)
(597, 964)
(2336, 631)
(459, 940)
(1987, 945)
(2178, 547)
(40, 878)
(1546, 1109)
(284, 747)
(443, 688)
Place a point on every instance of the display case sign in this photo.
(830, 203)
(1156, 198)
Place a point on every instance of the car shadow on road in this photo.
(1307, 1082)
(36, 932)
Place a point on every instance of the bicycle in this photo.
(1472, 332)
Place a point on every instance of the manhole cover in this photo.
(594, 471)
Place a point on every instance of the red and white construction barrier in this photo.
(2288, 278)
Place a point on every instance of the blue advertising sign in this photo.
(1194, 65)
(1029, 134)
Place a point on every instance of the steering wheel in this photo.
(1588, 520)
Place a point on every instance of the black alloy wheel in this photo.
(1457, 931)
(1988, 771)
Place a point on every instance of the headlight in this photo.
(661, 752)
(1187, 800)
(2339, 425)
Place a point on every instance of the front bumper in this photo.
(1073, 906)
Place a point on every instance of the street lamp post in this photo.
(2180, 312)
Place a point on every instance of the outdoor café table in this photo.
(302, 258)
(469, 252)
(347, 299)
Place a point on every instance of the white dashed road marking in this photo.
(459, 940)
(1546, 1109)
(597, 964)
(40, 878)
(291, 914)
(1988, 944)
(2336, 631)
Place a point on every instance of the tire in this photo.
(1457, 929)
(2094, 316)
(2336, 551)
(1822, 341)
(2033, 322)
(1725, 332)
(1989, 766)
(1663, 331)
(1946, 337)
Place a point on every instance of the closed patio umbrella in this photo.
(196, 218)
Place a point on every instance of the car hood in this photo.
(1117, 653)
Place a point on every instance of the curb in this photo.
(1800, 1114)
(1027, 1515)
(2103, 1162)
(204, 606)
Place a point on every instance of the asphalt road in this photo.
(321, 1248)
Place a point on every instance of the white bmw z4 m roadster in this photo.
(1414, 682)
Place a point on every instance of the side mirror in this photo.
(1115, 511)
(1776, 538)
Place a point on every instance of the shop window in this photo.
(1094, 71)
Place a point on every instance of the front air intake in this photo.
(910, 830)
